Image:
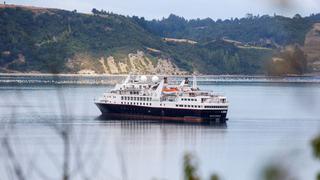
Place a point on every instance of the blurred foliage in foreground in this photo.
(190, 169)
(316, 150)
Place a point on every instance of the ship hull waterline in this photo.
(164, 114)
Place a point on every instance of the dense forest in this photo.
(42, 40)
(250, 29)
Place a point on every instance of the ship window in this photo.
(176, 105)
(135, 98)
(121, 97)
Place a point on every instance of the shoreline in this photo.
(111, 79)
(124, 75)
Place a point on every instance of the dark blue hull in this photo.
(169, 114)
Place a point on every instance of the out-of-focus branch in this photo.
(11, 155)
(282, 3)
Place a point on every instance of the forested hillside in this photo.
(258, 30)
(57, 41)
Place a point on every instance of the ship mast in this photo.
(194, 84)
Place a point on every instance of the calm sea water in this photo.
(268, 123)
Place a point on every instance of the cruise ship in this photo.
(156, 98)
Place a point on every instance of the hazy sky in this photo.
(189, 9)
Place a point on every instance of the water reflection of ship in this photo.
(159, 119)
(137, 130)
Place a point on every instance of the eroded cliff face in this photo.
(137, 63)
(312, 47)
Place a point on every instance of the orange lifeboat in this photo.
(170, 90)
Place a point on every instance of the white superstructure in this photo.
(152, 92)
